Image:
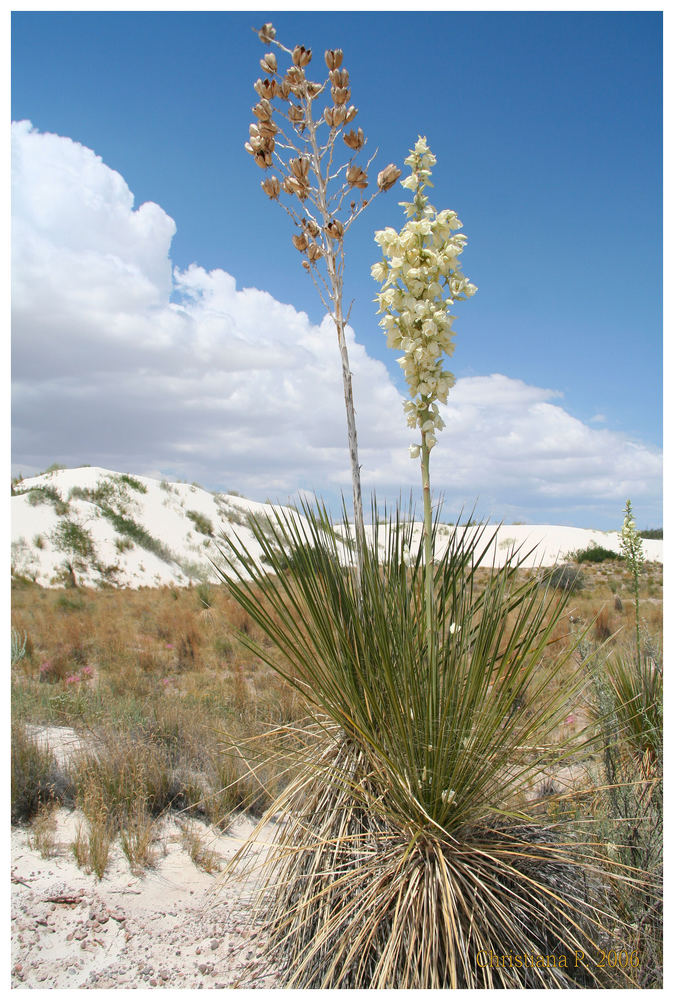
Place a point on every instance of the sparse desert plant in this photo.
(629, 811)
(138, 836)
(18, 646)
(36, 779)
(202, 523)
(194, 842)
(92, 848)
(565, 578)
(73, 539)
(47, 494)
(205, 595)
(134, 483)
(593, 553)
(42, 836)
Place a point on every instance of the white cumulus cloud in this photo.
(122, 361)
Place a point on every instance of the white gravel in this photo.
(174, 927)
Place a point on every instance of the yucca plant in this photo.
(409, 854)
(628, 714)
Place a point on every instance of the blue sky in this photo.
(548, 133)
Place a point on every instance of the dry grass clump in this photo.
(37, 781)
(164, 696)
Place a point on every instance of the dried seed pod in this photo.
(340, 95)
(312, 228)
(268, 63)
(267, 33)
(267, 129)
(300, 168)
(354, 140)
(295, 76)
(265, 88)
(263, 110)
(306, 265)
(350, 114)
(335, 117)
(300, 242)
(283, 89)
(263, 159)
(301, 56)
(271, 187)
(356, 176)
(292, 186)
(295, 114)
(335, 229)
(387, 177)
(314, 89)
(314, 252)
(339, 78)
(333, 58)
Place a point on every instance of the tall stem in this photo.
(335, 277)
(635, 573)
(351, 430)
(428, 543)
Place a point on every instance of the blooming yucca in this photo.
(421, 279)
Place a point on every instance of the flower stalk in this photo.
(298, 124)
(632, 550)
(421, 279)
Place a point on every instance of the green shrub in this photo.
(47, 494)
(134, 483)
(203, 525)
(137, 533)
(593, 553)
(72, 538)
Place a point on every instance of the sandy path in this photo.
(176, 926)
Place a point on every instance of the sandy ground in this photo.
(175, 926)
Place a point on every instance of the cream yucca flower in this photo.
(421, 278)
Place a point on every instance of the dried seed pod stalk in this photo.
(297, 124)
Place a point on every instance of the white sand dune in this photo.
(139, 532)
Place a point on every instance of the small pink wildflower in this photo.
(87, 671)
(569, 720)
(166, 681)
(45, 666)
(169, 645)
(73, 679)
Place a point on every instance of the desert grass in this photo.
(162, 695)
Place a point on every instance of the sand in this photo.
(173, 926)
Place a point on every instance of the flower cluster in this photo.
(631, 546)
(421, 279)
